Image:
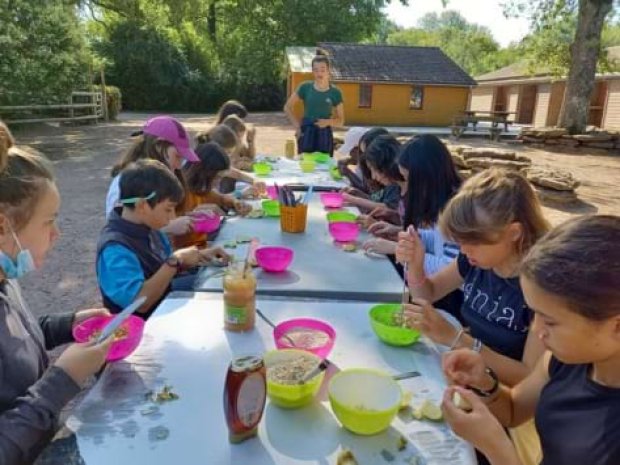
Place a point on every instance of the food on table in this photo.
(428, 410)
(402, 443)
(291, 371)
(406, 400)
(346, 457)
(461, 402)
(158, 433)
(304, 338)
(349, 247)
(257, 213)
(120, 334)
(165, 395)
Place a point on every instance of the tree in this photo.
(584, 51)
(44, 55)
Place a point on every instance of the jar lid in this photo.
(246, 363)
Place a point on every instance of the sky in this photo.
(487, 13)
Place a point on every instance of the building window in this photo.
(416, 102)
(365, 97)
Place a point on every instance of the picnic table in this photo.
(186, 347)
(496, 118)
(320, 268)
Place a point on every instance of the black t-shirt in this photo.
(494, 309)
(578, 420)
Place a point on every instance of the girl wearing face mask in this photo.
(163, 139)
(32, 390)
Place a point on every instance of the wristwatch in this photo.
(174, 262)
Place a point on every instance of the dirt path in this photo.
(84, 155)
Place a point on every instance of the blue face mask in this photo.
(22, 265)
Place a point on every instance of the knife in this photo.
(406, 375)
(118, 320)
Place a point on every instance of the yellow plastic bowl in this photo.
(307, 166)
(364, 401)
(291, 395)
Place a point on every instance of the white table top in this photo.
(320, 268)
(286, 171)
(185, 346)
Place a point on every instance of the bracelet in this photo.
(457, 339)
(476, 345)
(493, 390)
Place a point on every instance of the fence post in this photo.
(104, 96)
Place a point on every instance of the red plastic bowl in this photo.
(274, 259)
(271, 192)
(205, 223)
(293, 328)
(344, 232)
(332, 199)
(119, 349)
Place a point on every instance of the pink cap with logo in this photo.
(170, 130)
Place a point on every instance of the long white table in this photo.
(320, 267)
(186, 347)
(286, 171)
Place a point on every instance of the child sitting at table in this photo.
(570, 280)
(228, 140)
(244, 158)
(199, 180)
(34, 389)
(133, 257)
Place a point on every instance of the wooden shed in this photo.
(536, 98)
(388, 85)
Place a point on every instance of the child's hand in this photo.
(81, 361)
(465, 367)
(350, 198)
(260, 186)
(365, 221)
(82, 315)
(178, 226)
(478, 426)
(410, 250)
(384, 229)
(215, 253)
(380, 246)
(384, 213)
(249, 192)
(422, 316)
(250, 133)
(242, 208)
(189, 256)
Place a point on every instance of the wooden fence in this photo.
(82, 106)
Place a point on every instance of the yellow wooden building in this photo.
(386, 85)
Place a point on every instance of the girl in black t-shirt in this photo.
(571, 281)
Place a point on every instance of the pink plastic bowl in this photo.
(305, 324)
(204, 223)
(344, 232)
(274, 259)
(332, 199)
(119, 349)
(271, 192)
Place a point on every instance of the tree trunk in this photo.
(584, 55)
(212, 21)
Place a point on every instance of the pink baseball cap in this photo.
(170, 130)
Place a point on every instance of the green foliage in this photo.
(471, 46)
(44, 55)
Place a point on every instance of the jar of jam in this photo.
(239, 298)
(245, 393)
(289, 148)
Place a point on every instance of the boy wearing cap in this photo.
(134, 258)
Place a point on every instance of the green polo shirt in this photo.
(317, 104)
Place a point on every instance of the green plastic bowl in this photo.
(321, 157)
(271, 207)
(308, 157)
(335, 173)
(364, 401)
(291, 395)
(341, 216)
(262, 169)
(307, 166)
(382, 322)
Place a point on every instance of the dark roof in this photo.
(389, 63)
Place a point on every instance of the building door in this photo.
(527, 103)
(597, 104)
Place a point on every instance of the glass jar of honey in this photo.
(239, 297)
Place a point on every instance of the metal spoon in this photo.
(270, 323)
